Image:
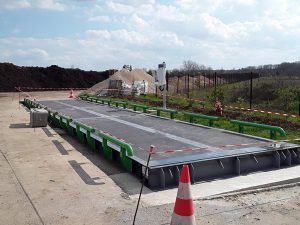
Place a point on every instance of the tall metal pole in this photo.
(19, 98)
(177, 84)
(215, 81)
(167, 81)
(299, 102)
(143, 182)
(165, 97)
(184, 84)
(251, 83)
(188, 86)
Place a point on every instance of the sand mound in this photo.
(127, 77)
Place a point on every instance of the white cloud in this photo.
(13, 4)
(131, 37)
(146, 9)
(219, 33)
(103, 19)
(40, 4)
(229, 31)
(123, 35)
(137, 22)
(120, 8)
(170, 13)
(102, 34)
(49, 4)
(170, 39)
(36, 52)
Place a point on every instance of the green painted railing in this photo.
(140, 106)
(92, 99)
(83, 97)
(103, 101)
(192, 116)
(273, 129)
(126, 149)
(117, 103)
(81, 135)
(171, 111)
(65, 124)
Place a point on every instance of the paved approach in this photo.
(198, 143)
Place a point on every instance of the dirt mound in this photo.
(50, 77)
(127, 77)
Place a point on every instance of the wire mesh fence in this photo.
(250, 90)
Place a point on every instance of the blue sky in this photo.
(104, 34)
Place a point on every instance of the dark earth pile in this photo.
(50, 77)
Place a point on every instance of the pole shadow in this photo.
(83, 175)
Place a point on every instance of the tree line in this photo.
(285, 69)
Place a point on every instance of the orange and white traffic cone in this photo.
(72, 94)
(184, 209)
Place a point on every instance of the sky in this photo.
(106, 34)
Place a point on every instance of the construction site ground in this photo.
(49, 177)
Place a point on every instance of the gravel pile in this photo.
(127, 77)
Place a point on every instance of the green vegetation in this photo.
(280, 95)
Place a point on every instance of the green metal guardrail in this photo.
(137, 106)
(273, 129)
(83, 97)
(28, 103)
(56, 119)
(81, 135)
(126, 149)
(92, 99)
(171, 111)
(65, 124)
(104, 101)
(193, 116)
(121, 103)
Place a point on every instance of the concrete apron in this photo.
(221, 186)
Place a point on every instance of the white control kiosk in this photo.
(160, 81)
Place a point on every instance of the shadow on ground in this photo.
(126, 181)
(19, 125)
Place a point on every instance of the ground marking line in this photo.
(147, 129)
(26, 194)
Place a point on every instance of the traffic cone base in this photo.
(183, 220)
(72, 94)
